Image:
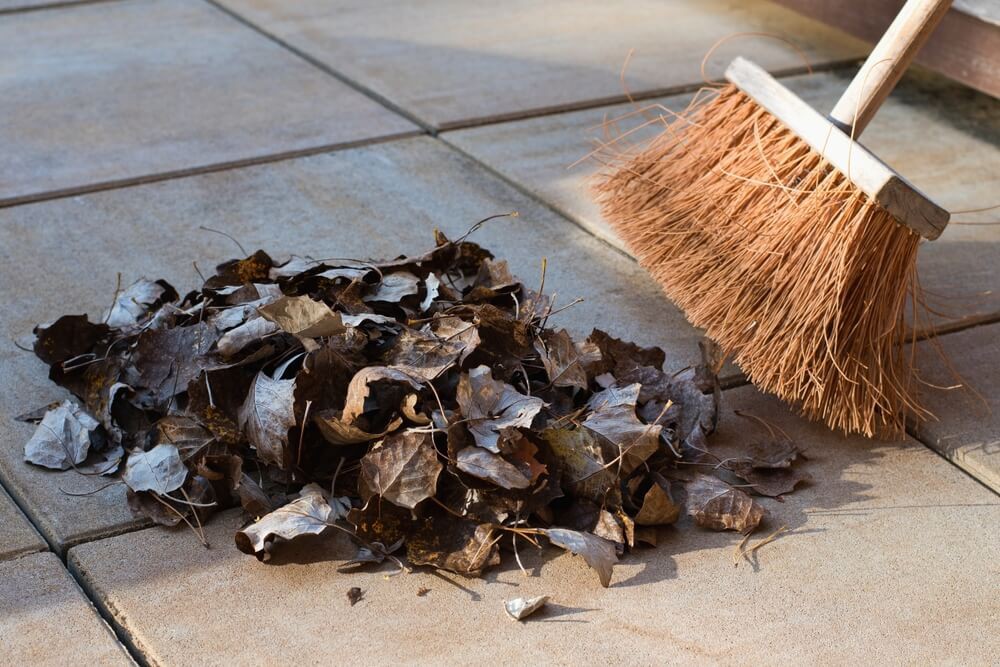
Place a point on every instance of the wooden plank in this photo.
(893, 192)
(964, 46)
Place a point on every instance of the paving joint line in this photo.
(326, 69)
(217, 167)
(88, 594)
(101, 608)
(623, 98)
(28, 9)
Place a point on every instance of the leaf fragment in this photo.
(521, 608)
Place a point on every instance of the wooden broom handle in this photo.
(887, 62)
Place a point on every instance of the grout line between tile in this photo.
(612, 100)
(57, 4)
(913, 432)
(320, 65)
(118, 630)
(201, 170)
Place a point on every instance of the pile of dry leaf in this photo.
(421, 404)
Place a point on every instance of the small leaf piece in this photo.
(521, 608)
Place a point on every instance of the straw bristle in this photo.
(796, 274)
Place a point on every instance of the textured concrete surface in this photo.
(967, 429)
(870, 571)
(115, 91)
(455, 62)
(46, 620)
(374, 201)
(941, 136)
(17, 536)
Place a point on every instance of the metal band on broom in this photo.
(786, 240)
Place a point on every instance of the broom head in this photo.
(799, 273)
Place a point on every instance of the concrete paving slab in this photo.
(868, 566)
(944, 137)
(17, 536)
(46, 620)
(375, 201)
(110, 92)
(463, 62)
(967, 430)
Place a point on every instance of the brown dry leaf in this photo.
(360, 387)
(453, 544)
(423, 355)
(303, 316)
(402, 469)
(309, 514)
(62, 439)
(456, 330)
(138, 300)
(584, 469)
(597, 552)
(773, 453)
(337, 432)
(614, 419)
(491, 467)
(242, 336)
(658, 507)
(770, 481)
(618, 357)
(168, 359)
(394, 287)
(490, 406)
(160, 470)
(716, 505)
(266, 416)
(562, 360)
(522, 452)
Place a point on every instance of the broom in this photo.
(786, 240)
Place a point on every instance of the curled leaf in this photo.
(136, 301)
(62, 439)
(310, 514)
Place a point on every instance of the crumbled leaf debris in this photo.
(521, 608)
(421, 405)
